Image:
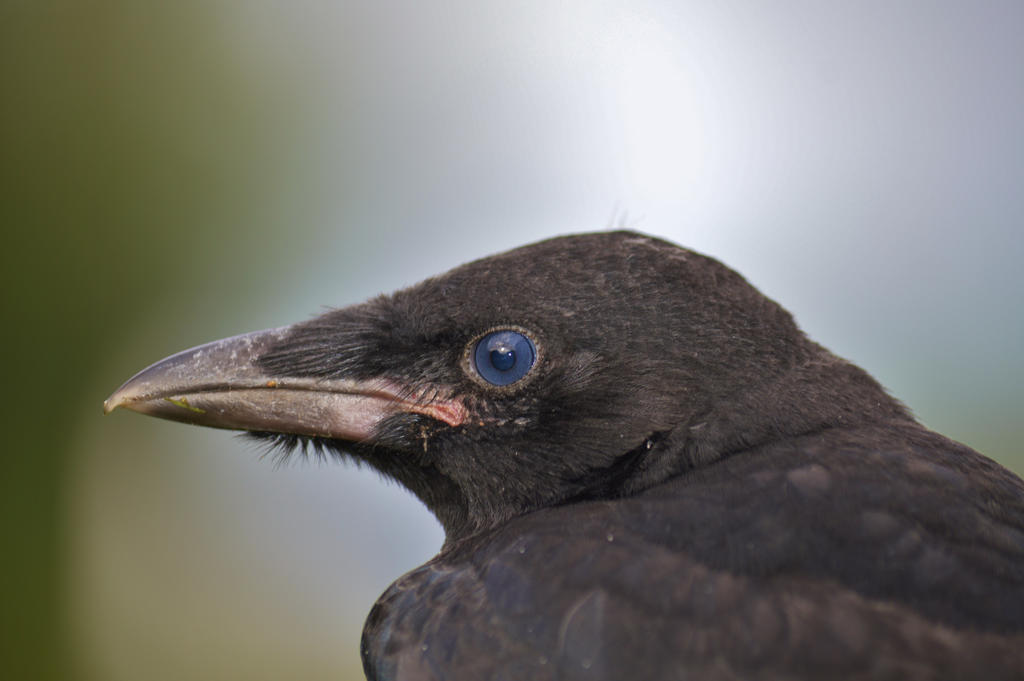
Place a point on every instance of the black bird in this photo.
(644, 470)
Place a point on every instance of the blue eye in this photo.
(504, 357)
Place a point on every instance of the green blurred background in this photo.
(177, 172)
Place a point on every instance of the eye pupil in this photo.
(504, 357)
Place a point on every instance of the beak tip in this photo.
(111, 403)
(122, 397)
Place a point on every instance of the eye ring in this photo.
(502, 357)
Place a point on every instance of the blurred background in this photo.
(177, 172)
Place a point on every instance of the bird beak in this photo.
(221, 384)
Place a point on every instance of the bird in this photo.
(644, 470)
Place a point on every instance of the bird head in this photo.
(580, 367)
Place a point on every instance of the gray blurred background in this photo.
(177, 172)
